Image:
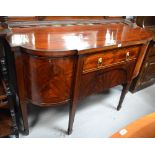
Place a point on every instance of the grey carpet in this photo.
(96, 115)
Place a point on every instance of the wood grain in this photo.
(77, 37)
(58, 64)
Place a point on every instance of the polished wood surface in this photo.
(60, 64)
(77, 37)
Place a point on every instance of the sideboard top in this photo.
(77, 37)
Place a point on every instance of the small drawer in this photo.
(109, 58)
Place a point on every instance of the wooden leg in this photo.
(71, 116)
(124, 92)
(73, 104)
(24, 117)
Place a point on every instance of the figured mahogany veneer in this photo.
(98, 81)
(48, 80)
(109, 58)
(61, 64)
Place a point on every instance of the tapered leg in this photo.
(73, 104)
(24, 117)
(71, 116)
(124, 92)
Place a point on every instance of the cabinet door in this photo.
(149, 73)
(48, 81)
(103, 79)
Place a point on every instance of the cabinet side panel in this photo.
(48, 81)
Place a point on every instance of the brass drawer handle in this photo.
(100, 60)
(127, 56)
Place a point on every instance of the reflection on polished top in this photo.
(76, 37)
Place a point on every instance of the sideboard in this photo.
(62, 63)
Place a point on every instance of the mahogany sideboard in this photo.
(63, 63)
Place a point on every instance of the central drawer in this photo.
(109, 58)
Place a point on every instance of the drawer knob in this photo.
(100, 60)
(127, 56)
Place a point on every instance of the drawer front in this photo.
(101, 80)
(109, 58)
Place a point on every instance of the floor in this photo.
(96, 116)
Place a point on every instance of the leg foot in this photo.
(124, 91)
(17, 135)
(71, 116)
(26, 132)
(118, 108)
(24, 115)
(69, 132)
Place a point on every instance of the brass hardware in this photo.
(127, 56)
(100, 60)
